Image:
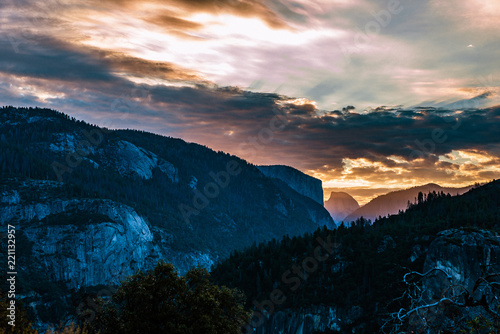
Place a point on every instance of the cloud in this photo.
(50, 61)
(129, 66)
(54, 59)
(387, 145)
(175, 23)
(321, 50)
(183, 68)
(242, 8)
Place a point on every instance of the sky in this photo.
(368, 96)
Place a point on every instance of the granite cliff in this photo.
(340, 205)
(302, 183)
(463, 272)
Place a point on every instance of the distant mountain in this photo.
(302, 183)
(340, 205)
(92, 206)
(392, 202)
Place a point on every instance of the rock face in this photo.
(461, 265)
(302, 183)
(464, 255)
(395, 201)
(123, 157)
(88, 242)
(97, 253)
(340, 205)
(128, 159)
(310, 320)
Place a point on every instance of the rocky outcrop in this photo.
(314, 319)
(340, 205)
(460, 267)
(123, 156)
(129, 159)
(302, 183)
(89, 242)
(464, 255)
(461, 270)
(101, 252)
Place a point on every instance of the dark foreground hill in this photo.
(92, 206)
(351, 279)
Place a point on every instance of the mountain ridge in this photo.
(393, 202)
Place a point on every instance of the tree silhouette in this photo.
(161, 301)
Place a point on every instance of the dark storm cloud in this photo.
(205, 112)
(328, 138)
(49, 59)
(56, 60)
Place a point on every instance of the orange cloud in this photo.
(130, 66)
(242, 8)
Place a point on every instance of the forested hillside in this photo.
(71, 188)
(363, 277)
(39, 143)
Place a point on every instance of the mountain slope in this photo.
(340, 205)
(187, 199)
(395, 201)
(186, 189)
(350, 279)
